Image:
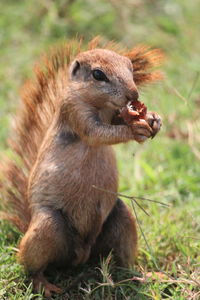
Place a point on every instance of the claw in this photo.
(39, 281)
(154, 121)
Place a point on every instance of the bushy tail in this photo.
(40, 100)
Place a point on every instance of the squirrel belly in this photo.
(63, 178)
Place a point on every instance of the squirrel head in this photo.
(103, 78)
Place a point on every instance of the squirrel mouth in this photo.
(134, 110)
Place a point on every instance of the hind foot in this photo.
(39, 282)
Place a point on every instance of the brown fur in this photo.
(62, 140)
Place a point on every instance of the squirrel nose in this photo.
(133, 95)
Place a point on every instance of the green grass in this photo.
(165, 169)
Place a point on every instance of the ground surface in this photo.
(165, 169)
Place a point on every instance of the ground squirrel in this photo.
(62, 139)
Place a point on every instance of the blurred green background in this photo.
(165, 169)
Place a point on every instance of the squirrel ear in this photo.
(75, 66)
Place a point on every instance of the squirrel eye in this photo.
(99, 75)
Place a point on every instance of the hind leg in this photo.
(118, 234)
(43, 243)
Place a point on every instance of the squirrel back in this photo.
(40, 102)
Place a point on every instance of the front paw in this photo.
(141, 131)
(154, 121)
